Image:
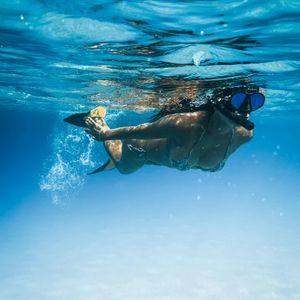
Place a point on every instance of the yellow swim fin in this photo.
(98, 112)
(78, 119)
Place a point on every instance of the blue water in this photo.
(158, 233)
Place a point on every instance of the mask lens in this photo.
(238, 99)
(257, 101)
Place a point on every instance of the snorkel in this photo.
(239, 107)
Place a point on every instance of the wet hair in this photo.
(207, 97)
(184, 105)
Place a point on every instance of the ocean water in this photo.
(158, 233)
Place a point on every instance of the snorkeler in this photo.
(200, 139)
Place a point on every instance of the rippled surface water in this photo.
(159, 233)
(65, 56)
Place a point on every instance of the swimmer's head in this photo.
(238, 105)
(243, 104)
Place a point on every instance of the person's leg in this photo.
(114, 149)
(133, 156)
(128, 156)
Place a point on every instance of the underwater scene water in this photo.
(158, 233)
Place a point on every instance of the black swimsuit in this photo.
(183, 164)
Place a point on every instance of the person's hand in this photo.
(96, 128)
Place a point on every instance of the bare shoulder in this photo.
(187, 118)
(193, 118)
(201, 115)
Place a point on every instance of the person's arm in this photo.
(172, 126)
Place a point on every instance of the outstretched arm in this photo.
(172, 126)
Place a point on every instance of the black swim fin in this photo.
(109, 165)
(77, 119)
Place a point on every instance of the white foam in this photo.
(74, 154)
(86, 157)
(61, 179)
(66, 168)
